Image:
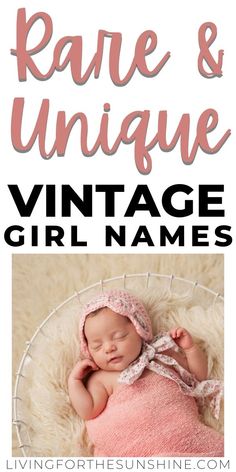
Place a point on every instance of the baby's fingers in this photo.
(180, 332)
(92, 364)
(174, 333)
(88, 364)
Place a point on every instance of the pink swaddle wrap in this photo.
(168, 423)
(152, 417)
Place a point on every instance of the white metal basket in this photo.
(203, 295)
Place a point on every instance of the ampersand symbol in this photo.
(205, 54)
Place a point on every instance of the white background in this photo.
(179, 88)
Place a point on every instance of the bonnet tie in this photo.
(152, 358)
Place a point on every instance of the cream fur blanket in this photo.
(42, 282)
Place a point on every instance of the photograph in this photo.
(118, 355)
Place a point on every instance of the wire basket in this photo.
(177, 285)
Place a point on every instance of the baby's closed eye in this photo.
(96, 347)
(120, 335)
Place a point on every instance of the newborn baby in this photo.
(137, 392)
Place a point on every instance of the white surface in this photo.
(179, 88)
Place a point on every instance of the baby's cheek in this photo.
(98, 358)
(94, 357)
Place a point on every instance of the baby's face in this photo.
(113, 341)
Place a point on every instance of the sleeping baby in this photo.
(139, 394)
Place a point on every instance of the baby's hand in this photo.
(182, 338)
(82, 368)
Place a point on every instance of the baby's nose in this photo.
(110, 346)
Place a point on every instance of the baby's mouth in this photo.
(115, 360)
